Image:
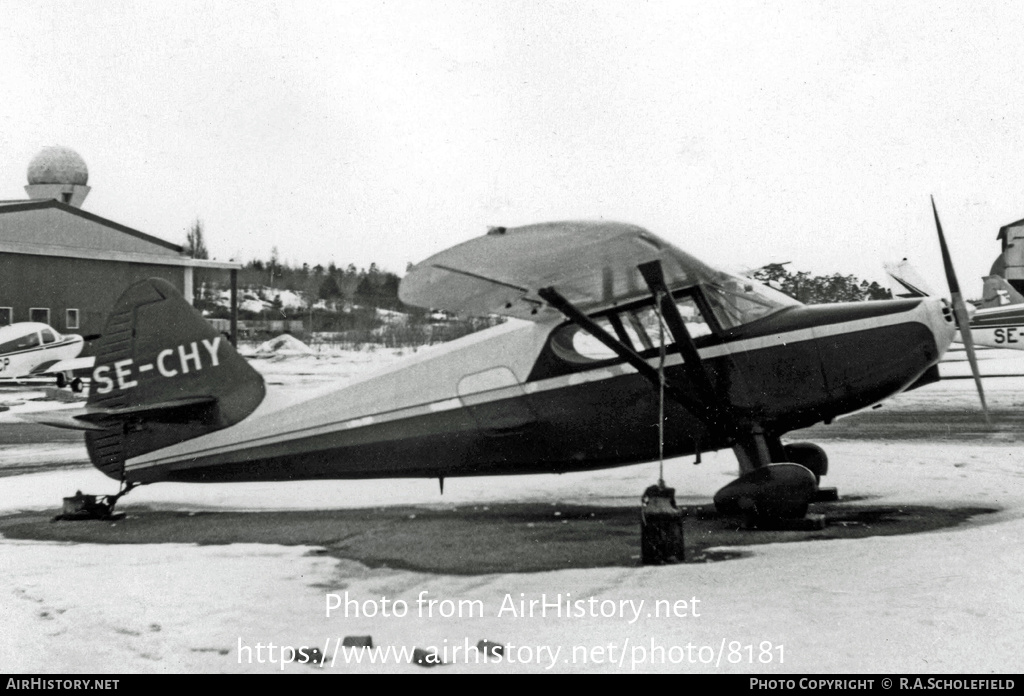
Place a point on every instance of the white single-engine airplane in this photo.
(33, 349)
(997, 323)
(605, 313)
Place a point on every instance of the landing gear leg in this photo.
(772, 491)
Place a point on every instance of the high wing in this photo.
(592, 264)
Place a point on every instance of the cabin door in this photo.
(496, 400)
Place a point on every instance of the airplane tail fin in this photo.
(998, 293)
(163, 375)
(905, 281)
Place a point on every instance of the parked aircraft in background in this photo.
(33, 349)
(997, 292)
(618, 326)
(997, 323)
(1010, 262)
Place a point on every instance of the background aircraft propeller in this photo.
(963, 319)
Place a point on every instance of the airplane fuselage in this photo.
(998, 327)
(519, 398)
(28, 348)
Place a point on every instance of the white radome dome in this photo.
(56, 164)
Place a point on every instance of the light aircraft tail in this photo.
(999, 293)
(163, 375)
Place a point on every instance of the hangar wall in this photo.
(91, 286)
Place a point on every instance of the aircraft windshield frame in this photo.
(710, 308)
(735, 300)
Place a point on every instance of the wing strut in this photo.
(702, 409)
(654, 276)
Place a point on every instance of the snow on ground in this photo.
(940, 602)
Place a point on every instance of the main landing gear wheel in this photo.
(809, 455)
(769, 493)
(76, 384)
(62, 381)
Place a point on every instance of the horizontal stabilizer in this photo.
(61, 418)
(169, 411)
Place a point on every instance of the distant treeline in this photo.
(337, 287)
(812, 289)
(339, 298)
(346, 300)
(338, 305)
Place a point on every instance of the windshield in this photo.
(736, 300)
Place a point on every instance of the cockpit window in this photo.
(48, 336)
(21, 343)
(576, 345)
(639, 327)
(709, 310)
(736, 301)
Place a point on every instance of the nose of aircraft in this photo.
(938, 316)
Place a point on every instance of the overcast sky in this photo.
(743, 132)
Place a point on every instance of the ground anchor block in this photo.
(661, 527)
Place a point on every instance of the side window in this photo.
(635, 330)
(48, 336)
(645, 323)
(71, 319)
(6, 316)
(21, 343)
(573, 344)
(695, 322)
(649, 325)
(39, 314)
(641, 328)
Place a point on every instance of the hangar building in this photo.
(66, 267)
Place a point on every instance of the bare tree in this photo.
(195, 244)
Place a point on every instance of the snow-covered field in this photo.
(945, 601)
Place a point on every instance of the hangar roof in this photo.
(52, 228)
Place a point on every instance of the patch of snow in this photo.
(285, 344)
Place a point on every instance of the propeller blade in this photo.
(963, 318)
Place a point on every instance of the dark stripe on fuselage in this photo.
(808, 316)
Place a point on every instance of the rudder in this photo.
(163, 375)
(999, 293)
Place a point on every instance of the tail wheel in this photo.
(809, 455)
